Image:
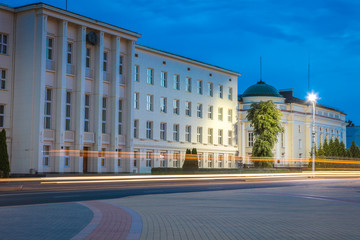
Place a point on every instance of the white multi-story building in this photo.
(294, 144)
(78, 95)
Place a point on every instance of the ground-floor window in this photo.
(46, 153)
(210, 160)
(176, 160)
(149, 158)
(163, 160)
(67, 157)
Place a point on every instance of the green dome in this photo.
(261, 89)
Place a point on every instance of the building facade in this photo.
(294, 144)
(79, 95)
(352, 134)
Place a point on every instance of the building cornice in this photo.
(185, 59)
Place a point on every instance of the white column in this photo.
(80, 95)
(60, 95)
(114, 99)
(129, 108)
(243, 141)
(38, 129)
(98, 95)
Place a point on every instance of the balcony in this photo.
(89, 72)
(50, 65)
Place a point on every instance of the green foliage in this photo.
(4, 157)
(191, 162)
(265, 118)
(354, 151)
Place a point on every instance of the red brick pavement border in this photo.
(110, 222)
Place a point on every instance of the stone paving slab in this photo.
(44, 221)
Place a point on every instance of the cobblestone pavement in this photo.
(45, 221)
(326, 210)
(323, 211)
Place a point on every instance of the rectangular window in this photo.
(47, 115)
(150, 76)
(67, 157)
(210, 160)
(200, 87)
(69, 52)
(46, 153)
(163, 104)
(149, 158)
(300, 144)
(137, 73)
(88, 58)
(2, 116)
(3, 43)
(49, 48)
(136, 100)
(210, 112)
(176, 159)
(199, 135)
(199, 110)
(68, 112)
(163, 131)
(176, 106)
(230, 136)
(120, 117)
(210, 135)
(136, 128)
(150, 102)
(176, 132)
(164, 79)
(121, 65)
(188, 84)
(221, 161)
(220, 114)
(149, 129)
(188, 109)
(230, 115)
(103, 125)
(250, 139)
(230, 94)
(136, 158)
(230, 161)
(87, 114)
(163, 159)
(210, 89)
(177, 82)
(2, 79)
(188, 133)
(220, 137)
(221, 92)
(105, 62)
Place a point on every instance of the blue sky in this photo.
(234, 34)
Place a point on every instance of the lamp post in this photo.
(312, 97)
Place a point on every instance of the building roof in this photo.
(261, 89)
(186, 59)
(289, 98)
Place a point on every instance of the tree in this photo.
(4, 157)
(191, 161)
(326, 147)
(265, 118)
(350, 123)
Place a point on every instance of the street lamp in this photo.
(313, 97)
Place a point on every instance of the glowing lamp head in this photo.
(312, 97)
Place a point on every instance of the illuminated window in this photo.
(119, 158)
(250, 139)
(148, 159)
(188, 109)
(150, 102)
(163, 159)
(136, 158)
(221, 161)
(46, 153)
(67, 157)
(176, 159)
(210, 160)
